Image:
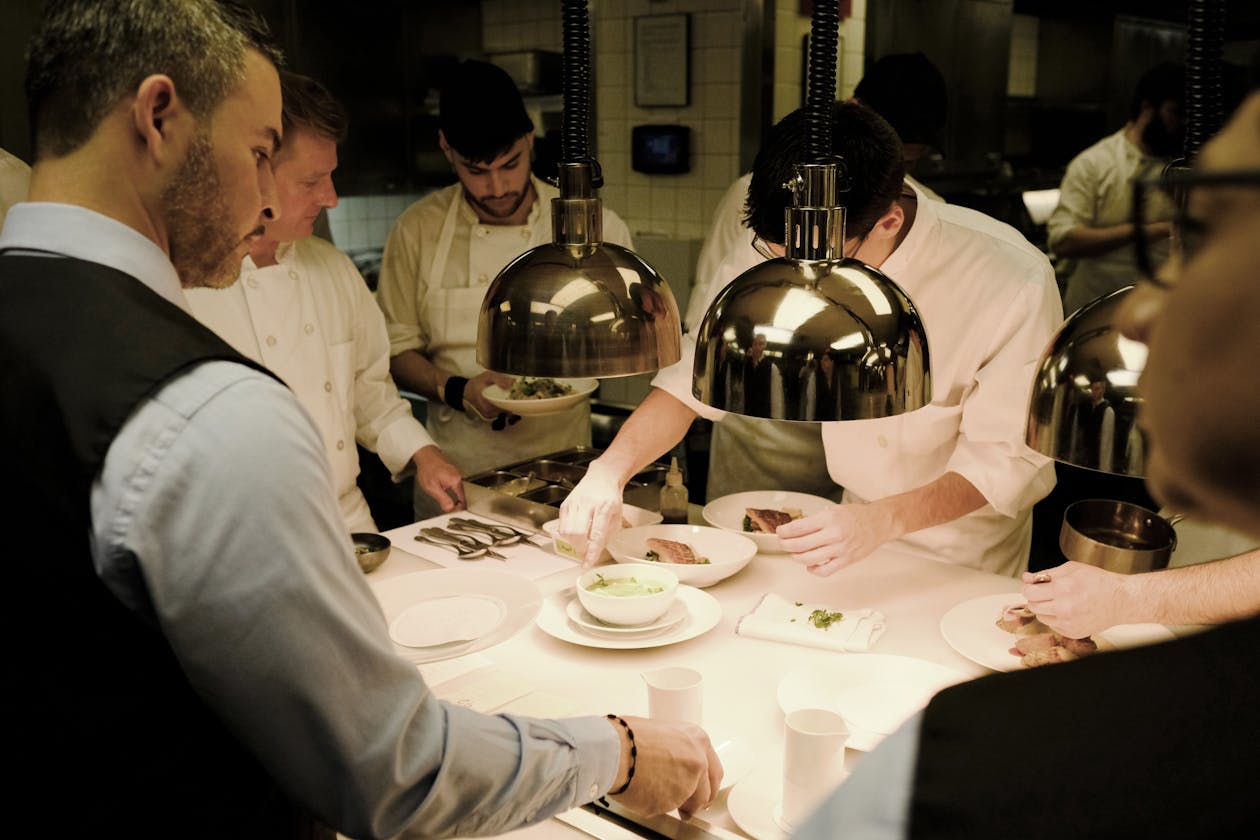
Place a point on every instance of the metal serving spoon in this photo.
(462, 541)
(501, 534)
(464, 553)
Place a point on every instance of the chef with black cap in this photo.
(443, 252)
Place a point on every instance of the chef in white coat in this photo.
(752, 453)
(440, 257)
(954, 480)
(301, 308)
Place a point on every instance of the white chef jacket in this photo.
(989, 305)
(739, 459)
(313, 321)
(1096, 193)
(15, 180)
(439, 260)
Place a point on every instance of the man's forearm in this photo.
(1206, 593)
(413, 372)
(1085, 241)
(943, 500)
(651, 430)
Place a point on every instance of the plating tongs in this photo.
(499, 534)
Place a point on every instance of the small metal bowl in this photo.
(370, 550)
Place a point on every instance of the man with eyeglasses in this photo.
(1150, 742)
(953, 481)
(1091, 223)
(1222, 194)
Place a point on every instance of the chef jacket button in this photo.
(341, 444)
(483, 232)
(251, 282)
(292, 274)
(271, 341)
(328, 387)
(525, 234)
(883, 441)
(594, 791)
(483, 278)
(310, 328)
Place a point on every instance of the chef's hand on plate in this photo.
(676, 767)
(1078, 600)
(439, 478)
(591, 513)
(836, 537)
(475, 399)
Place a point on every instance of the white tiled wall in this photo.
(363, 221)
(1021, 80)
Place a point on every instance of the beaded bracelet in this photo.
(634, 753)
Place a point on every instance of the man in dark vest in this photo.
(192, 648)
(1151, 742)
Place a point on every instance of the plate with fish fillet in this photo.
(999, 631)
(757, 514)
(697, 554)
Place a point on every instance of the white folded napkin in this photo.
(781, 620)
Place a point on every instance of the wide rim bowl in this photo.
(727, 552)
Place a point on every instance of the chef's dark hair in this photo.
(1164, 82)
(480, 111)
(872, 155)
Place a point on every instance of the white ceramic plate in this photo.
(874, 692)
(727, 552)
(703, 614)
(970, 629)
(753, 804)
(727, 512)
(519, 596)
(447, 620)
(677, 612)
(499, 398)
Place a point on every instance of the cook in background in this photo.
(241, 681)
(15, 178)
(442, 253)
(954, 480)
(302, 309)
(1092, 222)
(1150, 742)
(754, 453)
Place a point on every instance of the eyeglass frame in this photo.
(1174, 181)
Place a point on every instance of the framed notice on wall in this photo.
(661, 61)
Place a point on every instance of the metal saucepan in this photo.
(1117, 536)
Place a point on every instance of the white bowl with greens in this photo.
(531, 396)
(627, 594)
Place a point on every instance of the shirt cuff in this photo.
(399, 443)
(675, 380)
(599, 755)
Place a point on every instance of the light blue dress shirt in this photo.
(214, 519)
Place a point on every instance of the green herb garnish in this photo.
(823, 619)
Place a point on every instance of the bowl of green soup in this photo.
(627, 593)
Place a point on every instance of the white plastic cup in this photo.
(675, 694)
(813, 762)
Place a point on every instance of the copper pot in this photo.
(1117, 536)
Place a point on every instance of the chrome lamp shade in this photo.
(1084, 402)
(812, 340)
(594, 310)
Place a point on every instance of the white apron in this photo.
(450, 311)
(753, 453)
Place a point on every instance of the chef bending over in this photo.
(954, 480)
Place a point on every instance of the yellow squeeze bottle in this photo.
(674, 496)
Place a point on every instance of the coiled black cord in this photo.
(1205, 43)
(824, 35)
(574, 145)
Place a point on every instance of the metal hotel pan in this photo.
(552, 494)
(553, 471)
(1117, 536)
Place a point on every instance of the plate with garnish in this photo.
(530, 396)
